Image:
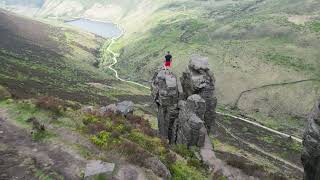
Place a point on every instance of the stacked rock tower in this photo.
(186, 107)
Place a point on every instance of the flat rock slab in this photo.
(96, 167)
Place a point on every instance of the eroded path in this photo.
(22, 158)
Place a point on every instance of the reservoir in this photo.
(104, 29)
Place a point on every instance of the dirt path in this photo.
(29, 157)
(115, 61)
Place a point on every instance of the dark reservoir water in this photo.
(104, 29)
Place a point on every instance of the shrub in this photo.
(50, 103)
(183, 150)
(168, 158)
(248, 168)
(181, 171)
(142, 124)
(90, 119)
(101, 139)
(134, 153)
(192, 159)
(40, 135)
(94, 128)
(4, 93)
(153, 144)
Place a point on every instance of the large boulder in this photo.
(311, 143)
(88, 109)
(165, 93)
(98, 168)
(125, 108)
(198, 79)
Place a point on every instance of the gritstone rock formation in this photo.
(186, 110)
(311, 143)
(166, 95)
(189, 128)
(198, 79)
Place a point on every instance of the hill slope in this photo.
(267, 49)
(264, 52)
(250, 44)
(37, 58)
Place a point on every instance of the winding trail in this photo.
(115, 61)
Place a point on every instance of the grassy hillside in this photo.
(249, 43)
(264, 53)
(40, 59)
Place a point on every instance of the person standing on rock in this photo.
(167, 60)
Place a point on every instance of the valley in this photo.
(265, 65)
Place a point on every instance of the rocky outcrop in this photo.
(311, 143)
(189, 128)
(197, 79)
(124, 108)
(186, 109)
(165, 94)
(98, 168)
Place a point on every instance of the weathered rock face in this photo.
(311, 143)
(198, 79)
(186, 110)
(166, 95)
(189, 128)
